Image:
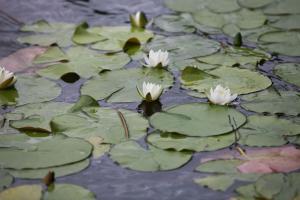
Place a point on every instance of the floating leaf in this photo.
(269, 101)
(289, 22)
(59, 171)
(48, 34)
(29, 89)
(37, 116)
(289, 72)
(197, 119)
(83, 36)
(185, 6)
(99, 148)
(283, 7)
(224, 6)
(176, 23)
(19, 151)
(68, 191)
(226, 166)
(77, 57)
(181, 142)
(252, 4)
(133, 156)
(101, 122)
(267, 131)
(5, 180)
(240, 81)
(23, 192)
(108, 85)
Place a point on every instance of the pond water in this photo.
(106, 179)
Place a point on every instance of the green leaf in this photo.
(48, 34)
(181, 142)
(289, 72)
(23, 192)
(19, 151)
(5, 179)
(133, 156)
(224, 6)
(269, 101)
(59, 171)
(289, 22)
(267, 131)
(29, 89)
(267, 190)
(68, 191)
(83, 36)
(101, 122)
(120, 85)
(197, 119)
(252, 4)
(176, 23)
(93, 63)
(240, 81)
(283, 7)
(227, 166)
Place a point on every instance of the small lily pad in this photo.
(252, 4)
(5, 179)
(289, 72)
(283, 7)
(131, 155)
(176, 23)
(197, 119)
(23, 192)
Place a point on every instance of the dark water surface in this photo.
(103, 177)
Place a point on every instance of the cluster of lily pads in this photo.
(41, 134)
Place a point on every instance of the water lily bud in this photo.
(221, 95)
(139, 20)
(150, 91)
(237, 40)
(7, 78)
(157, 59)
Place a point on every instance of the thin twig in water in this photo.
(124, 124)
(16, 21)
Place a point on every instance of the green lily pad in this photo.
(283, 7)
(270, 101)
(117, 36)
(37, 116)
(240, 81)
(289, 22)
(244, 18)
(29, 89)
(286, 43)
(120, 85)
(227, 166)
(224, 6)
(232, 56)
(77, 57)
(267, 131)
(289, 72)
(23, 192)
(185, 6)
(5, 179)
(133, 156)
(48, 33)
(180, 142)
(252, 4)
(83, 36)
(101, 122)
(59, 171)
(68, 191)
(176, 23)
(197, 119)
(185, 47)
(19, 151)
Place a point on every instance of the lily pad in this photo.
(133, 156)
(120, 85)
(289, 22)
(185, 47)
(48, 33)
(59, 171)
(270, 101)
(185, 6)
(29, 89)
(180, 142)
(176, 23)
(83, 36)
(37, 116)
(252, 4)
(19, 151)
(283, 7)
(23, 192)
(101, 122)
(5, 179)
(289, 72)
(68, 191)
(240, 81)
(267, 131)
(197, 119)
(224, 6)
(82, 61)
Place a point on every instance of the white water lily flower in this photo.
(158, 58)
(221, 95)
(7, 78)
(150, 91)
